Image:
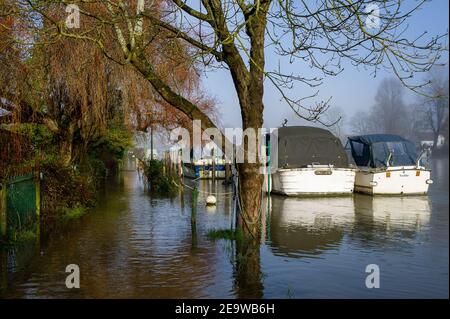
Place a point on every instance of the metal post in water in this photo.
(227, 173)
(267, 226)
(268, 168)
(213, 166)
(164, 164)
(151, 142)
(180, 164)
(194, 196)
(235, 189)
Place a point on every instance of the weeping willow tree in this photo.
(76, 91)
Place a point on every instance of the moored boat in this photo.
(389, 164)
(310, 161)
(204, 168)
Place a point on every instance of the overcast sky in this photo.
(352, 90)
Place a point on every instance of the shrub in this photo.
(62, 188)
(160, 182)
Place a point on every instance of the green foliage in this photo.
(39, 135)
(63, 189)
(75, 212)
(21, 147)
(50, 158)
(107, 152)
(227, 234)
(98, 167)
(16, 236)
(114, 142)
(160, 181)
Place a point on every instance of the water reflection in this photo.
(132, 245)
(247, 270)
(309, 226)
(305, 227)
(395, 213)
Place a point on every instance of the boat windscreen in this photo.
(393, 154)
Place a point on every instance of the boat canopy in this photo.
(300, 146)
(376, 150)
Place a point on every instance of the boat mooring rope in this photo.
(236, 196)
(200, 191)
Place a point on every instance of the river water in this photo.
(133, 245)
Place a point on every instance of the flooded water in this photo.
(133, 245)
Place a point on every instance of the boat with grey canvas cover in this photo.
(309, 161)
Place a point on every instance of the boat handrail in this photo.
(388, 161)
(316, 164)
(424, 151)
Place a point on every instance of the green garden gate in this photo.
(22, 196)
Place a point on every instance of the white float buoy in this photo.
(211, 200)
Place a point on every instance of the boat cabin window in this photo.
(382, 150)
(360, 153)
(358, 149)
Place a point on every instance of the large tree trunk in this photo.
(66, 144)
(252, 108)
(250, 179)
(250, 195)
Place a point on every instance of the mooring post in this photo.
(194, 196)
(227, 173)
(164, 164)
(173, 165)
(151, 142)
(269, 187)
(180, 164)
(213, 166)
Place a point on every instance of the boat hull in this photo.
(311, 181)
(393, 181)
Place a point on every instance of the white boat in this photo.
(310, 161)
(389, 165)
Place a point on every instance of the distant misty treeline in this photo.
(425, 118)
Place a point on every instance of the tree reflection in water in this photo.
(247, 269)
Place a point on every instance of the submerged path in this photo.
(133, 245)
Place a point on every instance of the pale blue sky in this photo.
(352, 90)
